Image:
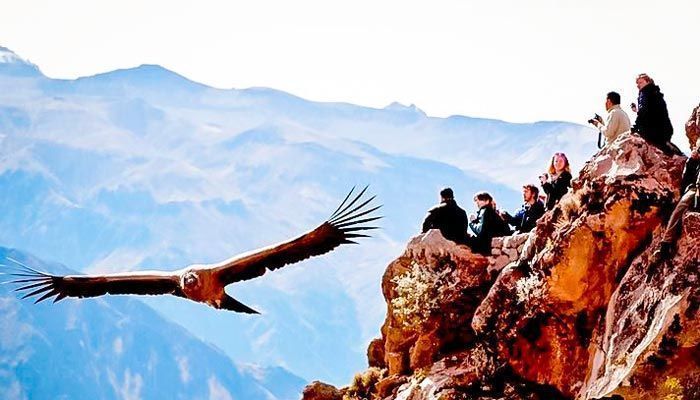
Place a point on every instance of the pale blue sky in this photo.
(512, 60)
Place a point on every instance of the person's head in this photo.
(643, 80)
(482, 199)
(612, 99)
(530, 193)
(446, 194)
(559, 164)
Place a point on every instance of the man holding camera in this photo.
(617, 120)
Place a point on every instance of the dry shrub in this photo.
(363, 384)
(419, 292)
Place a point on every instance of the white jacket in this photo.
(618, 122)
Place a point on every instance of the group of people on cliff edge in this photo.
(490, 222)
(652, 124)
(454, 224)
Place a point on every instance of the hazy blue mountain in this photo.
(116, 348)
(142, 168)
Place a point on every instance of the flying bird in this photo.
(205, 283)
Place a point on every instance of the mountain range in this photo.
(142, 168)
(116, 348)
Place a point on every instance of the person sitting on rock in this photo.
(526, 218)
(448, 217)
(557, 180)
(652, 121)
(486, 224)
(689, 200)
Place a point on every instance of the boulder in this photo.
(588, 316)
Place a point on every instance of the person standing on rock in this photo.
(617, 121)
(652, 121)
(557, 180)
(689, 200)
(526, 218)
(448, 217)
(486, 224)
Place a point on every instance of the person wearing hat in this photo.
(448, 217)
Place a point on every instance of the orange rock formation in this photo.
(589, 318)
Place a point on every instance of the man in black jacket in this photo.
(448, 217)
(652, 121)
(689, 200)
(526, 218)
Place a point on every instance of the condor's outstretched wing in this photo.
(342, 226)
(44, 286)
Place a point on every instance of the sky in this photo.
(519, 61)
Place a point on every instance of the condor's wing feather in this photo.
(43, 286)
(340, 228)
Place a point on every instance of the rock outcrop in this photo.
(587, 316)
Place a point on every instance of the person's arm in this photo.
(642, 113)
(505, 215)
(487, 221)
(612, 127)
(518, 219)
(428, 222)
(465, 222)
(547, 187)
(477, 225)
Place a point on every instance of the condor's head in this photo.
(190, 282)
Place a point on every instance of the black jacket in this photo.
(652, 121)
(487, 225)
(557, 189)
(526, 218)
(450, 219)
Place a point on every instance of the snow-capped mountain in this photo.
(142, 168)
(12, 64)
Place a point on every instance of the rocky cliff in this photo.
(584, 313)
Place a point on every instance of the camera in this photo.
(596, 117)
